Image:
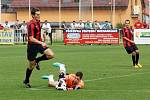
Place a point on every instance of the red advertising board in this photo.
(91, 37)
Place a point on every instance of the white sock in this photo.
(51, 78)
(62, 69)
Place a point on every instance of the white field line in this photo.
(114, 77)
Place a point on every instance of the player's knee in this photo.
(137, 51)
(31, 65)
(50, 56)
(134, 53)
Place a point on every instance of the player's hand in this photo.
(44, 44)
(132, 42)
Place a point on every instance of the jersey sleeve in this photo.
(123, 32)
(31, 29)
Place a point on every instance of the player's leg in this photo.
(28, 74)
(62, 69)
(50, 37)
(44, 36)
(134, 59)
(137, 59)
(135, 48)
(131, 51)
(51, 82)
(31, 55)
(47, 54)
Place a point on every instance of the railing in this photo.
(57, 36)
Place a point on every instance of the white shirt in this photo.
(24, 29)
(81, 25)
(73, 25)
(6, 26)
(47, 27)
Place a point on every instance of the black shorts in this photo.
(33, 50)
(131, 48)
(49, 34)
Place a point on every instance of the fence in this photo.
(16, 36)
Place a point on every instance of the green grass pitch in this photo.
(108, 73)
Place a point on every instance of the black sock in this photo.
(137, 58)
(133, 60)
(28, 74)
(43, 57)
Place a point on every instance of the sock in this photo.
(133, 60)
(43, 57)
(28, 74)
(137, 58)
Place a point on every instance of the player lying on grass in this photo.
(65, 81)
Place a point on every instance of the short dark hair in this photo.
(34, 10)
(80, 74)
(127, 21)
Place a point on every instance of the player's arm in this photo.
(124, 37)
(128, 40)
(80, 85)
(32, 39)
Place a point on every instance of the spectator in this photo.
(1, 27)
(16, 25)
(46, 27)
(6, 25)
(73, 25)
(96, 25)
(80, 25)
(17, 32)
(138, 25)
(88, 25)
(64, 26)
(23, 28)
(145, 25)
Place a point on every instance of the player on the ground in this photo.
(66, 81)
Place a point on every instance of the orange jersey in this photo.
(72, 82)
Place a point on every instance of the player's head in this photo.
(35, 12)
(79, 74)
(127, 22)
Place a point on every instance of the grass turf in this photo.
(108, 73)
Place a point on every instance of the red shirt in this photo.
(138, 25)
(146, 26)
(127, 32)
(34, 29)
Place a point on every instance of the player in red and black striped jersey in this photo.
(129, 44)
(35, 45)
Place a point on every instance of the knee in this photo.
(31, 65)
(137, 51)
(50, 56)
(133, 53)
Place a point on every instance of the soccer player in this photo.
(66, 81)
(129, 44)
(35, 45)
